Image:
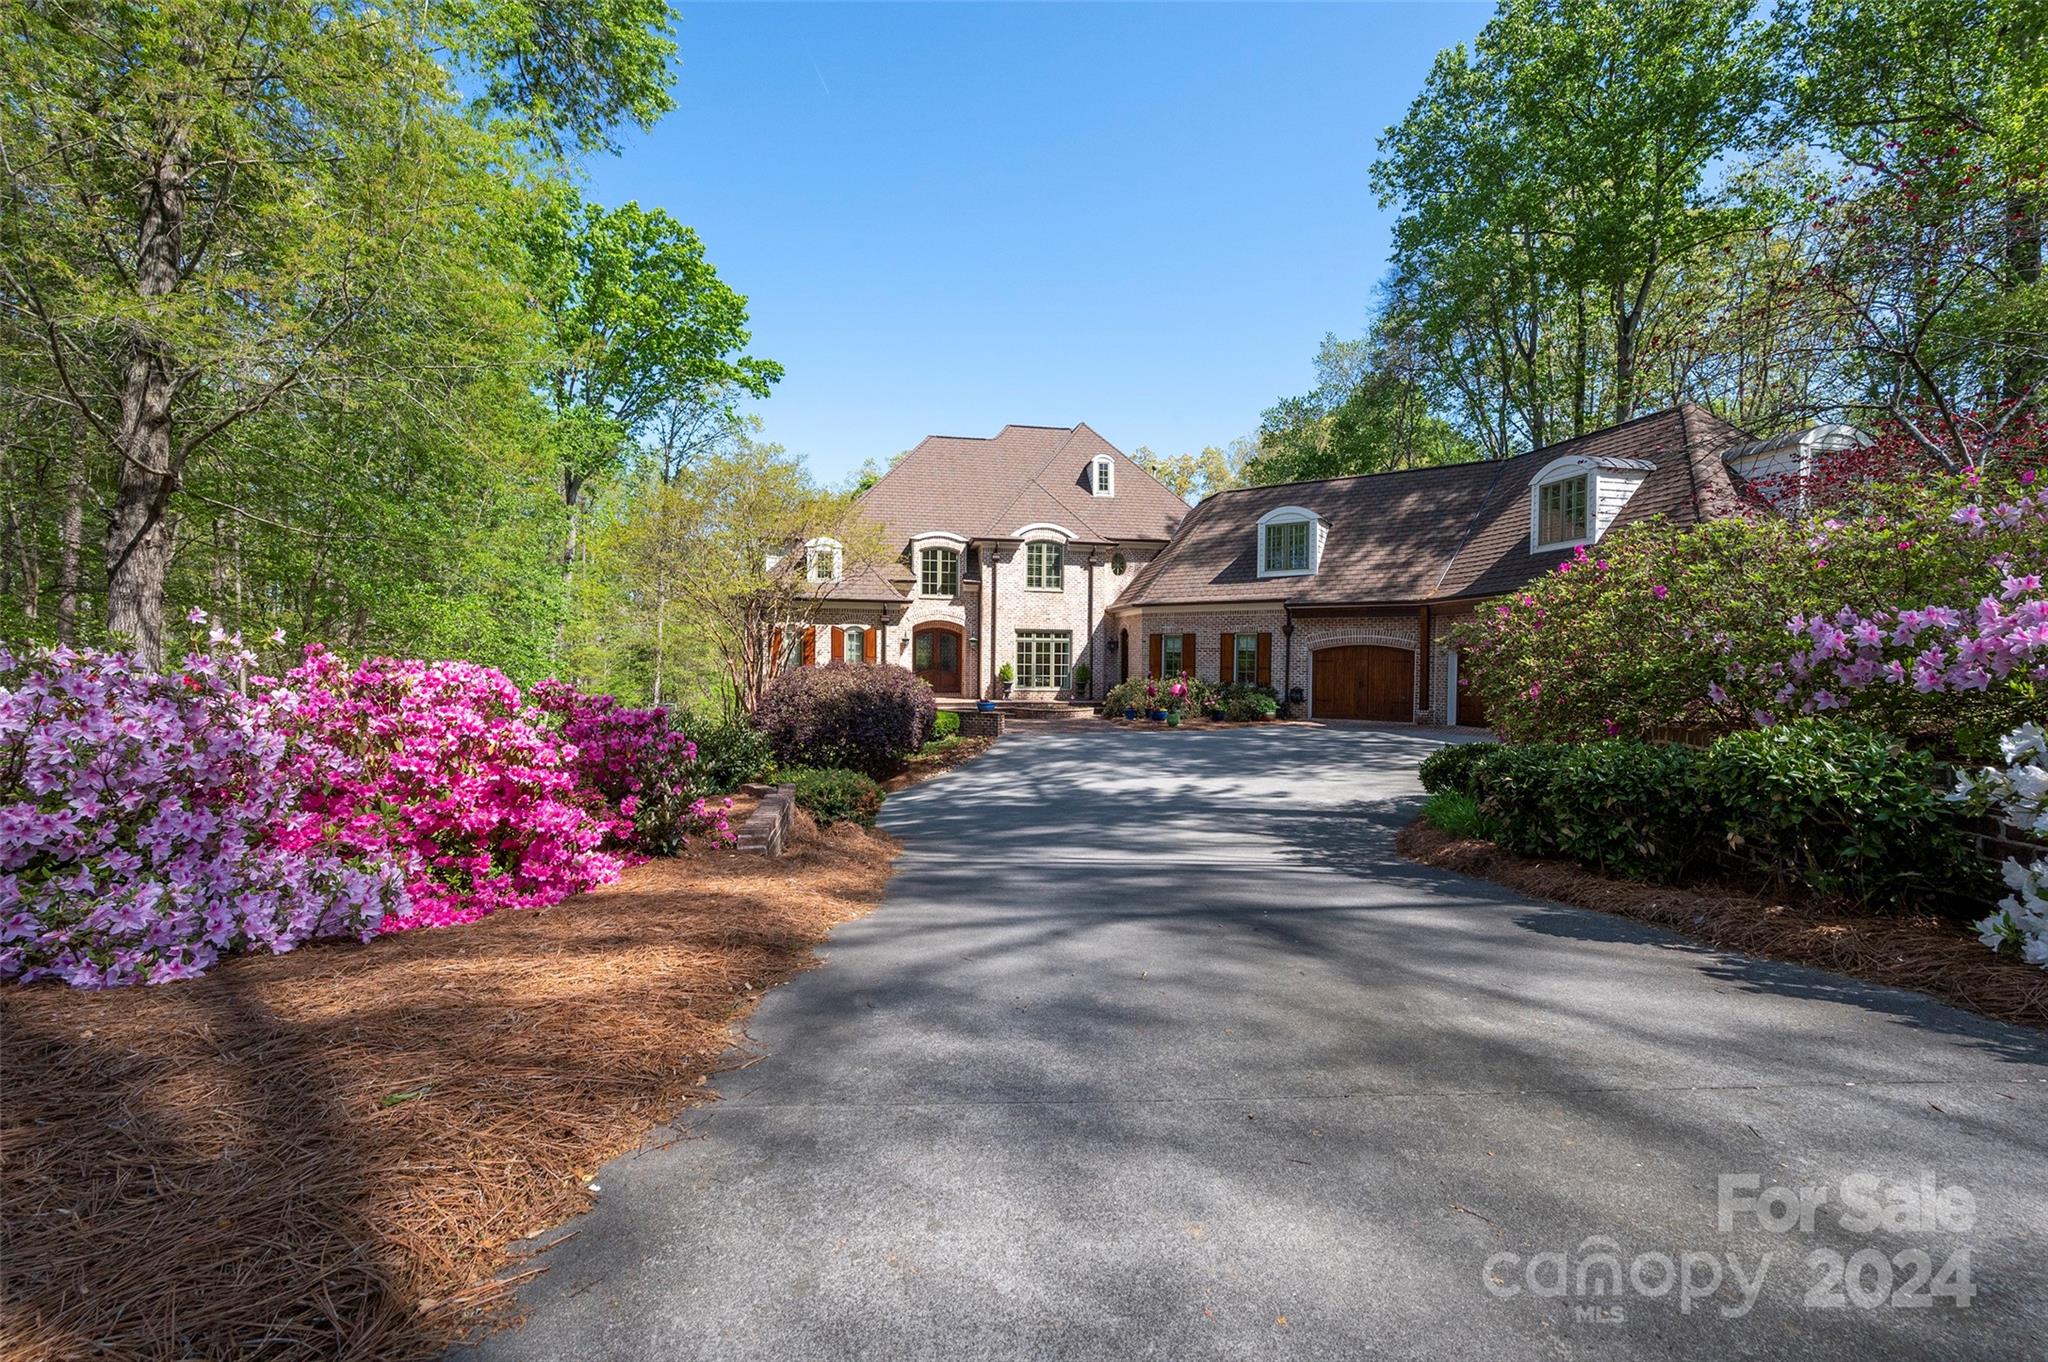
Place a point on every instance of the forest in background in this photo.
(305, 324)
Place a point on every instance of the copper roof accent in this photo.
(1023, 475)
(1450, 532)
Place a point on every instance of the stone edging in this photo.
(767, 827)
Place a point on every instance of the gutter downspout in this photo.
(1287, 642)
(1091, 621)
(995, 567)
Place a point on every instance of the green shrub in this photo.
(1841, 809)
(947, 724)
(1459, 815)
(1633, 808)
(833, 794)
(1451, 767)
(730, 752)
(1244, 703)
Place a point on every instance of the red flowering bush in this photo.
(644, 767)
(861, 717)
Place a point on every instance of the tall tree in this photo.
(212, 209)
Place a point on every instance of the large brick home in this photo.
(1012, 549)
(1046, 547)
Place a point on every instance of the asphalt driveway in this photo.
(1156, 1049)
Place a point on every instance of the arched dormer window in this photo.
(824, 560)
(1290, 542)
(1572, 500)
(1102, 476)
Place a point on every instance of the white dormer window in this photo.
(824, 560)
(1102, 476)
(1290, 542)
(1574, 499)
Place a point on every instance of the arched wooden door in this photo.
(1364, 681)
(935, 652)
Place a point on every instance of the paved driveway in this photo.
(1156, 1050)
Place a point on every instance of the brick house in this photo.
(1013, 548)
(1338, 593)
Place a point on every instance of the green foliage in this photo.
(1006, 674)
(1451, 766)
(1368, 414)
(1843, 810)
(1245, 703)
(1459, 815)
(1652, 626)
(833, 794)
(946, 725)
(730, 751)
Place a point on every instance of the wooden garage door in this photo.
(1364, 681)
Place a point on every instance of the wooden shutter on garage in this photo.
(1158, 653)
(1265, 659)
(1187, 654)
(838, 644)
(1226, 668)
(811, 645)
(869, 641)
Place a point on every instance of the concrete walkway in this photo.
(1156, 1050)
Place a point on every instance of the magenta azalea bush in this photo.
(149, 825)
(152, 823)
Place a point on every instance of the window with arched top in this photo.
(824, 560)
(1290, 542)
(1102, 476)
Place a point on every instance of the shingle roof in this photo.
(1023, 475)
(1443, 533)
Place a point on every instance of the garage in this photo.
(1364, 681)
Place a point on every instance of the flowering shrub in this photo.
(147, 826)
(642, 766)
(860, 716)
(1742, 622)
(2019, 792)
(1173, 694)
(436, 767)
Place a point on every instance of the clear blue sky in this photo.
(949, 217)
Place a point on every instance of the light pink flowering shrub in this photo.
(146, 826)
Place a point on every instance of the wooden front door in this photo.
(935, 656)
(1365, 681)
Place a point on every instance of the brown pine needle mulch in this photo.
(1935, 955)
(327, 1154)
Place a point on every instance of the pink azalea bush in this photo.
(644, 767)
(148, 826)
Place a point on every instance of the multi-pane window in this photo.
(1043, 565)
(1172, 662)
(938, 572)
(1042, 658)
(1102, 477)
(1561, 511)
(1287, 546)
(1244, 664)
(822, 562)
(854, 642)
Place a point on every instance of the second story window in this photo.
(1287, 546)
(1044, 564)
(938, 572)
(1101, 476)
(822, 561)
(1561, 511)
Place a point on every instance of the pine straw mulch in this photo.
(327, 1154)
(922, 766)
(1934, 955)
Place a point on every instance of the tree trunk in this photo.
(138, 533)
(70, 532)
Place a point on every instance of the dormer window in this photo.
(1102, 475)
(1561, 512)
(824, 560)
(1290, 542)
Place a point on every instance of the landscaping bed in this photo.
(937, 757)
(1935, 955)
(330, 1152)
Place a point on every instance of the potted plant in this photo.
(1154, 709)
(1130, 711)
(1083, 674)
(985, 706)
(1006, 676)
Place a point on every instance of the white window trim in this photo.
(1056, 543)
(1102, 470)
(838, 550)
(1048, 636)
(1044, 529)
(1563, 470)
(959, 557)
(1318, 531)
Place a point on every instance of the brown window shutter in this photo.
(1265, 659)
(1187, 654)
(775, 650)
(1158, 655)
(838, 644)
(811, 645)
(1227, 655)
(870, 640)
